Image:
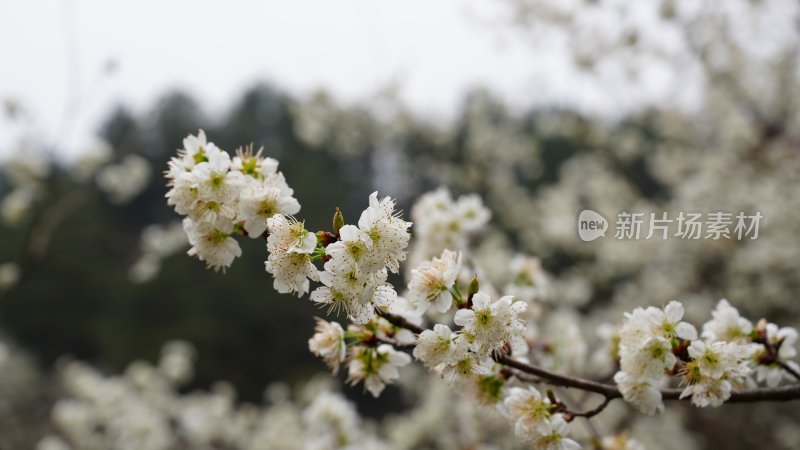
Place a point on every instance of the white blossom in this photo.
(355, 292)
(388, 232)
(177, 361)
(463, 363)
(528, 280)
(646, 340)
(444, 223)
(9, 275)
(125, 180)
(726, 324)
(211, 243)
(16, 205)
(258, 203)
(642, 392)
(375, 367)
(258, 167)
(773, 374)
(553, 436)
(349, 251)
(328, 343)
(489, 323)
(289, 261)
(535, 420)
(332, 422)
(527, 410)
(434, 347)
(716, 369)
(432, 280)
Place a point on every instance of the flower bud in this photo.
(338, 221)
(474, 286)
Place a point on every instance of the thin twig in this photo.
(591, 412)
(395, 343)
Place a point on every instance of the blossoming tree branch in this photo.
(483, 339)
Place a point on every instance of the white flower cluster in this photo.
(328, 343)
(156, 243)
(27, 172)
(222, 196)
(355, 276)
(375, 366)
(655, 344)
(486, 326)
(529, 281)
(290, 247)
(310, 415)
(442, 222)
(143, 409)
(645, 351)
(431, 282)
(535, 420)
(715, 369)
(125, 180)
(786, 338)
(332, 422)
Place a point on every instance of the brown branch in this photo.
(789, 369)
(569, 415)
(521, 376)
(399, 321)
(780, 394)
(561, 380)
(394, 343)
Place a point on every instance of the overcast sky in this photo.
(54, 51)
